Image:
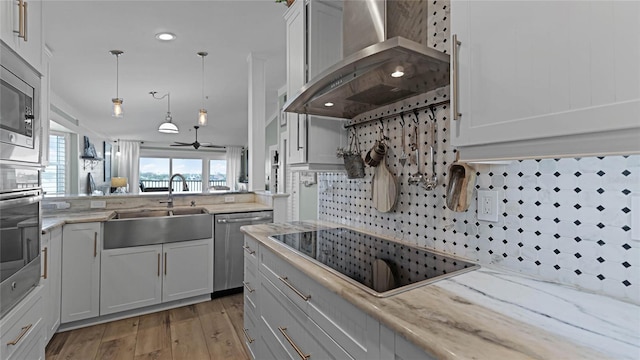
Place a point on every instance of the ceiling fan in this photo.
(197, 144)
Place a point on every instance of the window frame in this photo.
(67, 162)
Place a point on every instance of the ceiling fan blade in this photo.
(181, 145)
(215, 146)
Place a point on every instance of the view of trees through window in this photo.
(155, 173)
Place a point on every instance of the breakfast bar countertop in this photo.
(50, 221)
(489, 313)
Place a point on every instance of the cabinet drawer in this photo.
(251, 250)
(22, 325)
(251, 285)
(293, 329)
(290, 281)
(250, 331)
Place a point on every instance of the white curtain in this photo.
(233, 166)
(129, 163)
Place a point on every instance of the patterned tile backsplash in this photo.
(564, 220)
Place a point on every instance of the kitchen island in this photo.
(488, 313)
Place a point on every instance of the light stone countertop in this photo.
(52, 220)
(488, 313)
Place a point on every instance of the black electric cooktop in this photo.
(383, 267)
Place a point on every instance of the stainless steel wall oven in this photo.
(20, 232)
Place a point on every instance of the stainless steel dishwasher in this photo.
(228, 263)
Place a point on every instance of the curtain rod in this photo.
(428, 106)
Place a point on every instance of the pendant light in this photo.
(117, 101)
(202, 114)
(167, 126)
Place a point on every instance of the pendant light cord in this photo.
(117, 76)
(202, 82)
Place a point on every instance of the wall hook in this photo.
(415, 113)
(433, 114)
(402, 121)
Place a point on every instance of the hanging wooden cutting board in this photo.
(384, 188)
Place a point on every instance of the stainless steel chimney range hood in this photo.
(362, 81)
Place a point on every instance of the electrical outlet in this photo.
(98, 204)
(635, 217)
(488, 205)
(229, 199)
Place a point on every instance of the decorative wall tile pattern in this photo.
(564, 220)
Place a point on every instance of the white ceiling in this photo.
(81, 33)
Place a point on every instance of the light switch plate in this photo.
(635, 216)
(488, 205)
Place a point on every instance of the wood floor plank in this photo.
(122, 348)
(234, 306)
(82, 344)
(56, 344)
(154, 334)
(188, 312)
(120, 328)
(164, 354)
(221, 338)
(187, 340)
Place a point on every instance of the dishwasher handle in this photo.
(257, 218)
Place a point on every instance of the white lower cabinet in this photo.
(291, 316)
(22, 329)
(140, 276)
(130, 278)
(81, 244)
(51, 280)
(188, 269)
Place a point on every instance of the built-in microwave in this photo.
(19, 109)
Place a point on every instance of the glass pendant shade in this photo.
(117, 108)
(202, 117)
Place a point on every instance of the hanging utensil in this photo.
(384, 188)
(459, 194)
(417, 177)
(403, 156)
(431, 184)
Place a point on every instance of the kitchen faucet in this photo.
(184, 188)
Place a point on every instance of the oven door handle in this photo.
(30, 198)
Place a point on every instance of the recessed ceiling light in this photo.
(329, 104)
(165, 36)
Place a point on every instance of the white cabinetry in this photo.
(51, 280)
(568, 85)
(130, 278)
(30, 49)
(22, 330)
(81, 244)
(140, 276)
(314, 42)
(188, 269)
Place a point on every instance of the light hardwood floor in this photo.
(209, 330)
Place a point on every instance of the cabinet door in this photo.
(324, 47)
(52, 285)
(523, 79)
(81, 245)
(130, 278)
(296, 62)
(30, 50)
(187, 269)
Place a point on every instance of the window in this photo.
(155, 173)
(55, 174)
(218, 173)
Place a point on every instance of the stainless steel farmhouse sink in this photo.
(152, 226)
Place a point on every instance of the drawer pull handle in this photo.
(158, 264)
(303, 296)
(24, 331)
(249, 250)
(165, 264)
(95, 244)
(46, 260)
(249, 339)
(302, 355)
(246, 284)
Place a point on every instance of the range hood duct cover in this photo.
(379, 38)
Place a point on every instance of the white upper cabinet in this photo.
(21, 29)
(314, 43)
(546, 79)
